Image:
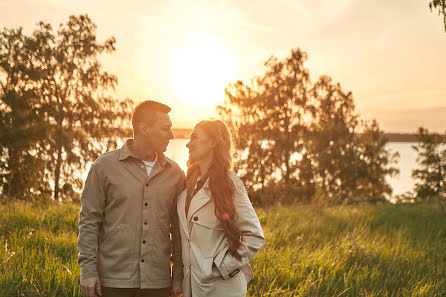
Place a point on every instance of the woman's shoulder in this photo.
(238, 184)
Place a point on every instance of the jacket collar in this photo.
(124, 153)
(206, 184)
(200, 199)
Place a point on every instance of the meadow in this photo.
(363, 250)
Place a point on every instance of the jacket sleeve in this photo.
(90, 219)
(177, 261)
(252, 234)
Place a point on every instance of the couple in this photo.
(138, 214)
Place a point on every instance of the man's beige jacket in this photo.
(127, 219)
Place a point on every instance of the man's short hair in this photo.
(145, 112)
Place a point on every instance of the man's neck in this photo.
(141, 151)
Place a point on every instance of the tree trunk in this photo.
(440, 176)
(58, 162)
(286, 176)
(57, 173)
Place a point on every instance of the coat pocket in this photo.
(208, 234)
(116, 253)
(208, 272)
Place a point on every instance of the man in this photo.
(128, 225)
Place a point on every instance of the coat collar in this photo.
(206, 184)
(125, 153)
(201, 199)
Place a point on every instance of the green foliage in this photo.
(388, 250)
(441, 6)
(303, 140)
(431, 175)
(269, 118)
(56, 108)
(333, 142)
(376, 162)
(22, 123)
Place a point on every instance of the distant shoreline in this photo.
(184, 133)
(181, 133)
(400, 137)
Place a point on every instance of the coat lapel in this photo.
(160, 164)
(137, 171)
(198, 201)
(155, 170)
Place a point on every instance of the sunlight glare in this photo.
(201, 71)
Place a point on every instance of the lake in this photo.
(400, 184)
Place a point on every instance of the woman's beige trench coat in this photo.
(204, 243)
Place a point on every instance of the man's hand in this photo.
(176, 288)
(91, 287)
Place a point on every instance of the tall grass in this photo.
(38, 251)
(389, 250)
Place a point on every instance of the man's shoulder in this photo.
(107, 158)
(175, 165)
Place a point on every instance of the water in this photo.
(177, 151)
(400, 184)
(406, 164)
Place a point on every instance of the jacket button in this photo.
(143, 241)
(146, 204)
(147, 184)
(145, 223)
(195, 218)
(142, 260)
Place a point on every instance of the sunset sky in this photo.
(390, 54)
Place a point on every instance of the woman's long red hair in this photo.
(220, 183)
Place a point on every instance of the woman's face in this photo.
(200, 146)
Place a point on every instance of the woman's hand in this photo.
(215, 271)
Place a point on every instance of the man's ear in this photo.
(143, 128)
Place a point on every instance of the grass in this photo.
(388, 250)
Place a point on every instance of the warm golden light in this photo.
(201, 71)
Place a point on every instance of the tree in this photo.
(376, 162)
(350, 158)
(73, 98)
(240, 113)
(75, 90)
(332, 146)
(301, 140)
(22, 123)
(441, 6)
(431, 174)
(269, 116)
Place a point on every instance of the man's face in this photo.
(159, 133)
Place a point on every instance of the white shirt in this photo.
(149, 165)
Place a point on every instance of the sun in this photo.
(201, 71)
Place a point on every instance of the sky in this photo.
(390, 54)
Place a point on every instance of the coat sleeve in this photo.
(90, 219)
(252, 234)
(177, 267)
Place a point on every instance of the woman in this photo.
(220, 231)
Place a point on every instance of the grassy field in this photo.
(389, 250)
